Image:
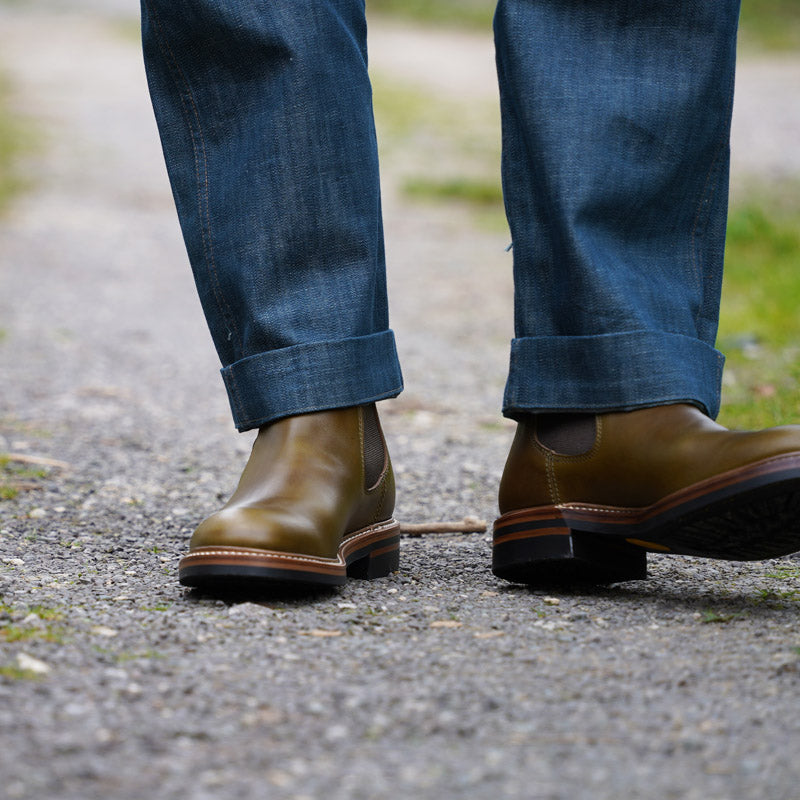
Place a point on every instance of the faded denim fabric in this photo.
(616, 129)
(616, 117)
(265, 116)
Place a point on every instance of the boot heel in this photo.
(555, 554)
(378, 563)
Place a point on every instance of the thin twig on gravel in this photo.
(41, 461)
(466, 525)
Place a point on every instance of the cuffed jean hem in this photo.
(312, 377)
(612, 372)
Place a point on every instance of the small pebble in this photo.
(32, 664)
(102, 630)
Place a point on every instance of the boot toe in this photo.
(260, 529)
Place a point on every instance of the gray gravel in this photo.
(439, 681)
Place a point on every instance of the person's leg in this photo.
(616, 120)
(616, 117)
(265, 117)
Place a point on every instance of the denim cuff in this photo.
(612, 372)
(312, 377)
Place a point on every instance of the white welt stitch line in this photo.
(784, 457)
(602, 510)
(267, 554)
(280, 555)
(606, 510)
(370, 531)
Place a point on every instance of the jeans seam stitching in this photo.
(237, 399)
(536, 174)
(203, 191)
(708, 193)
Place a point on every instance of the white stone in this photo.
(102, 630)
(32, 664)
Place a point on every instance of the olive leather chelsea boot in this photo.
(313, 506)
(584, 497)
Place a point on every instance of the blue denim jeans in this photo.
(616, 118)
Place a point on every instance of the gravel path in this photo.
(439, 681)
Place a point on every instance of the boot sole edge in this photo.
(372, 552)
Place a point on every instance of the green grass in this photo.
(759, 322)
(442, 150)
(784, 572)
(13, 476)
(771, 24)
(14, 140)
(763, 292)
(473, 191)
(460, 13)
(17, 674)
(765, 24)
(126, 656)
(18, 633)
(15, 631)
(129, 30)
(710, 616)
(7, 465)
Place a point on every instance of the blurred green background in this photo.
(769, 24)
(12, 143)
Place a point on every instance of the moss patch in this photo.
(15, 139)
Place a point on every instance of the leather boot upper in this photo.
(310, 480)
(633, 459)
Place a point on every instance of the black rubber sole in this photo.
(755, 525)
(569, 558)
